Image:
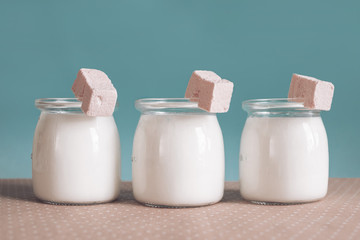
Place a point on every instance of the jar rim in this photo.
(168, 105)
(285, 104)
(61, 104)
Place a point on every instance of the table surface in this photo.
(337, 216)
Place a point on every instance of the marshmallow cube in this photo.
(92, 77)
(95, 90)
(212, 93)
(316, 94)
(99, 102)
(79, 83)
(193, 88)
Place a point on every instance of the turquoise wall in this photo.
(150, 48)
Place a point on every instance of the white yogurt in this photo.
(76, 158)
(178, 160)
(284, 159)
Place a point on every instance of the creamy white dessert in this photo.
(284, 159)
(178, 159)
(76, 158)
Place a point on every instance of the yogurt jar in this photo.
(178, 154)
(75, 158)
(284, 155)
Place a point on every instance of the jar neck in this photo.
(161, 106)
(278, 107)
(283, 113)
(59, 105)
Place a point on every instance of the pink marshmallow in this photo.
(99, 102)
(193, 88)
(92, 77)
(212, 93)
(95, 90)
(315, 93)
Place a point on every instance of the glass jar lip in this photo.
(286, 104)
(170, 105)
(53, 103)
(61, 104)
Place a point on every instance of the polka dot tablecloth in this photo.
(22, 216)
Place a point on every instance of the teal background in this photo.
(150, 48)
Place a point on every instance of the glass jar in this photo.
(178, 154)
(75, 158)
(284, 155)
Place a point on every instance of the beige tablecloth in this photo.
(22, 216)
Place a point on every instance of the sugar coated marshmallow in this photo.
(317, 94)
(212, 93)
(95, 90)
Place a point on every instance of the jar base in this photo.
(162, 206)
(276, 203)
(73, 203)
(283, 203)
(180, 206)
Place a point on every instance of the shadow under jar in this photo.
(75, 158)
(284, 155)
(178, 154)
